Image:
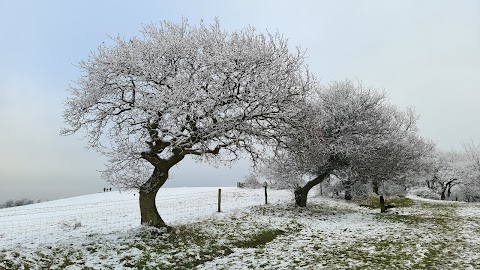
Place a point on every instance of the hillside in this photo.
(101, 231)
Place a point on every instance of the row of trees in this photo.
(435, 174)
(351, 132)
(181, 90)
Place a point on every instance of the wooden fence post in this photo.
(219, 199)
(383, 208)
(265, 186)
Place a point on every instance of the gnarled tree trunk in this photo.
(301, 193)
(348, 194)
(148, 192)
(348, 186)
(375, 187)
(148, 210)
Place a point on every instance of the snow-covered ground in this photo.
(53, 221)
(102, 231)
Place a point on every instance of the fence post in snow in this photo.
(219, 198)
(383, 208)
(265, 186)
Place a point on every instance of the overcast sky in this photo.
(424, 54)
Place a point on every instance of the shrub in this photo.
(251, 181)
(14, 203)
(425, 192)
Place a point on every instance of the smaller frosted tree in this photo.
(397, 158)
(251, 181)
(448, 169)
(471, 183)
(349, 127)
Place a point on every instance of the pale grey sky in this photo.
(424, 54)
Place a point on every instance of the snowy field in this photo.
(102, 231)
(103, 213)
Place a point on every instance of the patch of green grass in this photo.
(373, 202)
(408, 219)
(440, 254)
(412, 219)
(91, 249)
(139, 246)
(66, 262)
(390, 252)
(426, 238)
(6, 264)
(19, 262)
(259, 239)
(322, 210)
(369, 254)
(439, 206)
(169, 250)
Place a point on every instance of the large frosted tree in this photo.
(148, 102)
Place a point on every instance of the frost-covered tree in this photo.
(251, 181)
(348, 127)
(348, 179)
(472, 155)
(459, 170)
(181, 90)
(471, 183)
(447, 169)
(396, 159)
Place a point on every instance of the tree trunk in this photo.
(298, 196)
(301, 193)
(348, 194)
(383, 208)
(442, 195)
(348, 186)
(148, 193)
(375, 187)
(450, 185)
(148, 210)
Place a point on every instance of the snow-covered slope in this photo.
(108, 212)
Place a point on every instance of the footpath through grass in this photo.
(328, 234)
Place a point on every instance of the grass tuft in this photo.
(259, 239)
(373, 202)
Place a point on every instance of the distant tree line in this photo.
(20, 202)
